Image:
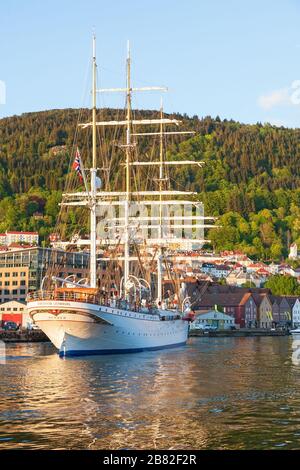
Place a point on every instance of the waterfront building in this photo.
(215, 318)
(285, 310)
(275, 300)
(22, 270)
(239, 305)
(296, 314)
(16, 312)
(264, 310)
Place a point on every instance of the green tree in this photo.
(283, 285)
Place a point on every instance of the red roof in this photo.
(231, 252)
(22, 233)
(17, 245)
(224, 299)
(256, 265)
(263, 271)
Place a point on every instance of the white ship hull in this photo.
(77, 328)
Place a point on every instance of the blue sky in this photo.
(236, 59)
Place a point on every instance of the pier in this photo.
(32, 336)
(239, 333)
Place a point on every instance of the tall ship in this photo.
(130, 301)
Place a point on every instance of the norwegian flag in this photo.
(77, 165)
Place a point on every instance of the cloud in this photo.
(279, 97)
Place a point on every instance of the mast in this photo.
(93, 267)
(127, 169)
(122, 199)
(160, 234)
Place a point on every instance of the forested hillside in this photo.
(251, 178)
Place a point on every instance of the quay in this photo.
(32, 336)
(37, 336)
(239, 333)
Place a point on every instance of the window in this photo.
(14, 283)
(6, 283)
(23, 283)
(7, 274)
(22, 274)
(15, 291)
(22, 291)
(15, 274)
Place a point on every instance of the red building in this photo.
(14, 311)
(240, 305)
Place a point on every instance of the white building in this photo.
(216, 270)
(273, 268)
(239, 278)
(296, 314)
(30, 238)
(293, 254)
(215, 318)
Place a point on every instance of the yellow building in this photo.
(22, 270)
(264, 310)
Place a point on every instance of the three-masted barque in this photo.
(84, 318)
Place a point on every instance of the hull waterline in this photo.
(79, 329)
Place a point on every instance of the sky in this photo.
(236, 59)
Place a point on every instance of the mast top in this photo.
(94, 46)
(128, 49)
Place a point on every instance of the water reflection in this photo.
(216, 393)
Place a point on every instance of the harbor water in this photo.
(215, 393)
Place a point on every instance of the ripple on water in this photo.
(214, 394)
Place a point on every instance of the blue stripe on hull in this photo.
(116, 351)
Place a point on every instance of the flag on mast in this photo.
(77, 165)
